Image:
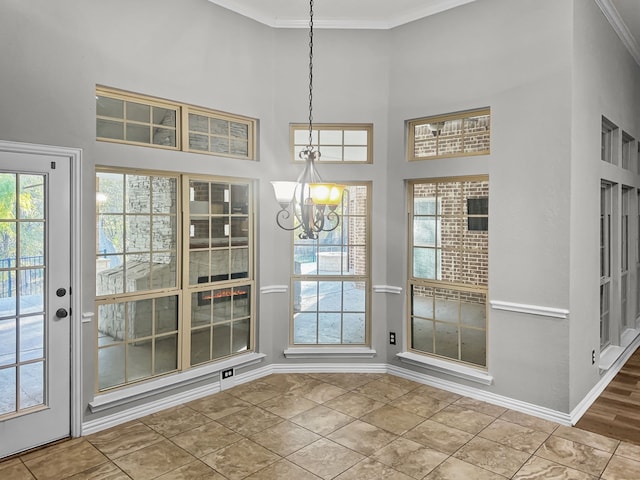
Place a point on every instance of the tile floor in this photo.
(326, 426)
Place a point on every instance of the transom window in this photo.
(150, 319)
(331, 283)
(125, 117)
(450, 135)
(337, 143)
(449, 268)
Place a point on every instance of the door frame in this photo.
(77, 318)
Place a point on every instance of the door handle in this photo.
(61, 313)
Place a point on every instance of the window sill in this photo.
(609, 356)
(449, 368)
(329, 352)
(159, 385)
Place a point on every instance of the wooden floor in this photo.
(616, 413)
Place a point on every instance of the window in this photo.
(605, 262)
(624, 258)
(450, 135)
(449, 268)
(141, 242)
(125, 117)
(607, 143)
(627, 150)
(339, 143)
(331, 283)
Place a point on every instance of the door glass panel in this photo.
(22, 334)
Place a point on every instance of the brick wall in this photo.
(468, 135)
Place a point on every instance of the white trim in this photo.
(387, 289)
(329, 352)
(467, 391)
(167, 383)
(74, 155)
(274, 289)
(329, 368)
(271, 19)
(87, 317)
(594, 393)
(616, 21)
(530, 309)
(609, 356)
(449, 368)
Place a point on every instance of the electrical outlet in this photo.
(392, 338)
(227, 373)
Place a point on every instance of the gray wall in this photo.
(513, 56)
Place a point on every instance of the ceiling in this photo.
(624, 15)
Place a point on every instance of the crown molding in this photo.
(614, 18)
(243, 8)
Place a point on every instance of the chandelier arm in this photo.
(284, 214)
(332, 216)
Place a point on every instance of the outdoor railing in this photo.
(30, 280)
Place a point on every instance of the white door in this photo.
(35, 279)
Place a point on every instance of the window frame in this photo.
(436, 284)
(366, 279)
(411, 126)
(317, 127)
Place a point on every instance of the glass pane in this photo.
(242, 301)
(139, 360)
(31, 384)
(219, 232)
(446, 340)
(356, 137)
(329, 328)
(138, 233)
(304, 253)
(330, 137)
(138, 133)
(109, 107)
(166, 314)
(450, 267)
(199, 142)
(357, 230)
(241, 335)
(240, 263)
(111, 361)
(308, 296)
(305, 328)
(166, 354)
(109, 275)
(330, 154)
(447, 305)
(199, 197)
(221, 340)
(110, 234)
(425, 141)
(450, 199)
(240, 199)
(200, 345)
(330, 296)
(239, 130)
(422, 301)
(355, 154)
(111, 324)
(109, 129)
(199, 232)
(7, 343)
(219, 127)
(353, 328)
(109, 192)
(219, 145)
(425, 231)
(31, 243)
(164, 136)
(8, 182)
(424, 199)
(138, 194)
(31, 196)
(165, 195)
(201, 308)
(8, 293)
(354, 297)
(219, 198)
(239, 147)
(165, 232)
(138, 112)
(424, 263)
(140, 315)
(8, 245)
(422, 335)
(239, 231)
(137, 273)
(198, 267)
(473, 346)
(198, 123)
(477, 134)
(164, 116)
(8, 390)
(222, 304)
(219, 265)
(31, 338)
(330, 262)
(473, 312)
(31, 288)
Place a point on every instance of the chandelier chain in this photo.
(310, 73)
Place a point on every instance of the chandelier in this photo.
(309, 203)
